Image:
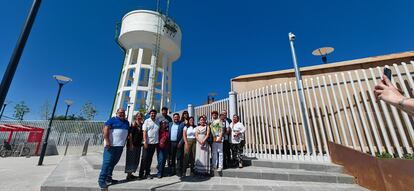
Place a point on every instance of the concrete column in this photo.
(134, 85)
(121, 85)
(232, 103)
(190, 109)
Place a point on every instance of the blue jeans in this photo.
(162, 155)
(111, 157)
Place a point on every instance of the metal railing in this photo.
(341, 107)
(219, 106)
(68, 137)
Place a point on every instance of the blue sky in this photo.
(221, 40)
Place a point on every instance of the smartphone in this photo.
(387, 72)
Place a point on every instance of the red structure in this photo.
(35, 134)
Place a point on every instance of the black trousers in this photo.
(237, 150)
(146, 160)
(175, 158)
(226, 154)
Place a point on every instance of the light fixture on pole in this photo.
(62, 80)
(68, 104)
(323, 52)
(301, 95)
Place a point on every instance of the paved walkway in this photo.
(21, 173)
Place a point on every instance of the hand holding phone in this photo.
(387, 72)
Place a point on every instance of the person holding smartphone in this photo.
(390, 94)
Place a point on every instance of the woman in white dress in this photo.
(202, 159)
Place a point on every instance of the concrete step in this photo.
(266, 173)
(301, 165)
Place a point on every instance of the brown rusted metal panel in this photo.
(398, 174)
(360, 165)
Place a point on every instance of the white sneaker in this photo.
(219, 169)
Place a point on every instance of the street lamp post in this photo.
(2, 110)
(17, 52)
(301, 95)
(68, 104)
(62, 80)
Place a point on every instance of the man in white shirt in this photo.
(151, 135)
(237, 139)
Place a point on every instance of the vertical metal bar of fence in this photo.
(377, 112)
(254, 122)
(270, 116)
(325, 112)
(259, 124)
(279, 153)
(292, 127)
(251, 128)
(296, 120)
(266, 122)
(315, 126)
(351, 133)
(409, 76)
(369, 115)
(330, 107)
(355, 119)
(282, 122)
(338, 110)
(361, 114)
(322, 128)
(282, 136)
(289, 145)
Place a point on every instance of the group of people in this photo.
(178, 142)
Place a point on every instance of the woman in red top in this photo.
(162, 150)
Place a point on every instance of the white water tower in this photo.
(152, 42)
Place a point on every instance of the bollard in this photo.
(66, 149)
(85, 147)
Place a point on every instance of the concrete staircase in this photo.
(290, 171)
(80, 173)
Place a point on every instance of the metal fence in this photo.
(66, 136)
(206, 110)
(341, 108)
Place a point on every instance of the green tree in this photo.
(20, 109)
(88, 111)
(45, 111)
(69, 117)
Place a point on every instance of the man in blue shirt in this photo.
(176, 146)
(115, 133)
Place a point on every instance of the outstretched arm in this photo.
(387, 92)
